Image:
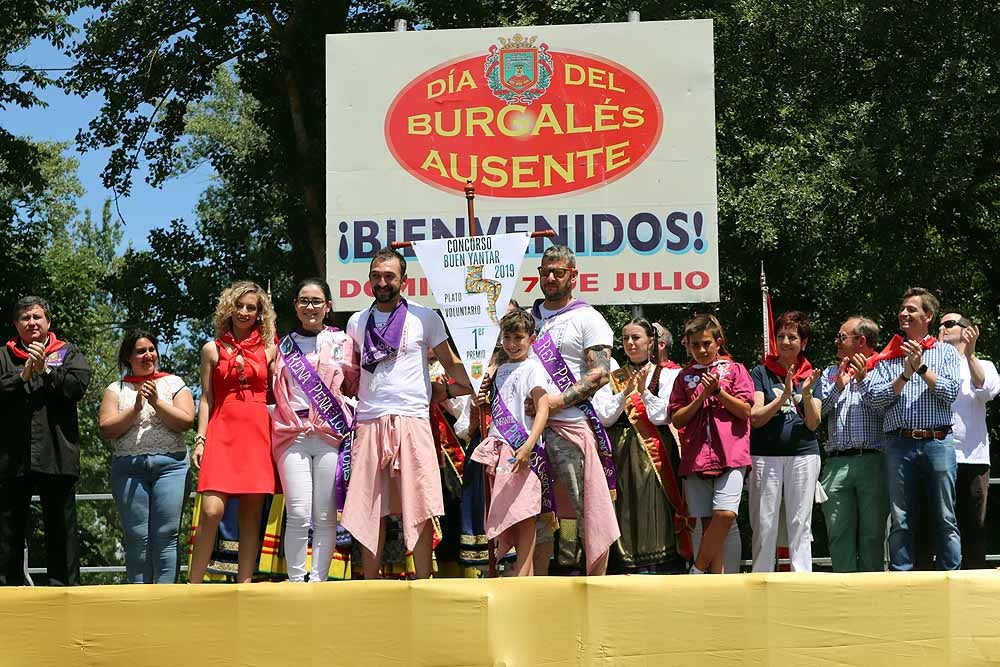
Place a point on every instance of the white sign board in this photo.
(603, 133)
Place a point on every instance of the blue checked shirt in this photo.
(916, 406)
(855, 423)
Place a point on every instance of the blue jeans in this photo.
(932, 464)
(149, 490)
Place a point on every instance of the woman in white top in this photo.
(145, 415)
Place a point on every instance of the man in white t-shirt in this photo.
(584, 340)
(979, 385)
(394, 467)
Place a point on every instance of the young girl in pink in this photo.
(710, 405)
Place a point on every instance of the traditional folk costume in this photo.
(527, 493)
(649, 506)
(575, 439)
(395, 466)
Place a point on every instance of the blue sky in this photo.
(146, 207)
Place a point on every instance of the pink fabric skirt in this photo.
(394, 470)
(600, 526)
(514, 497)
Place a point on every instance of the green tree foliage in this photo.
(25, 21)
(857, 143)
(151, 61)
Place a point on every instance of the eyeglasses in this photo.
(310, 303)
(840, 337)
(947, 324)
(558, 273)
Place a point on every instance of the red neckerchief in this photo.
(669, 364)
(139, 379)
(894, 350)
(244, 348)
(803, 368)
(17, 348)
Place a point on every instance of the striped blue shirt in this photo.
(855, 424)
(916, 406)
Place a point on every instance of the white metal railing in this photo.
(93, 569)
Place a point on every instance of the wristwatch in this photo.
(922, 369)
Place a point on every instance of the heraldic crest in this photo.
(518, 72)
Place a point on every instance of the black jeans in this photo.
(971, 490)
(62, 540)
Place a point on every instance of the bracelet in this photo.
(903, 375)
(199, 439)
(717, 391)
(923, 369)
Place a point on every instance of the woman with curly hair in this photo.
(233, 445)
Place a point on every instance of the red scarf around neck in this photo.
(803, 368)
(17, 348)
(139, 379)
(245, 346)
(894, 350)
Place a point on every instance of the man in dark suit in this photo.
(41, 381)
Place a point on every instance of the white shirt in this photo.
(401, 385)
(609, 405)
(297, 399)
(514, 382)
(968, 413)
(148, 435)
(574, 332)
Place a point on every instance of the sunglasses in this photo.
(558, 273)
(947, 324)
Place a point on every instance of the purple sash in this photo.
(512, 431)
(381, 345)
(326, 405)
(548, 353)
(536, 310)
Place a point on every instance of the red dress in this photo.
(237, 457)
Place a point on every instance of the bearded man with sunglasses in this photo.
(979, 385)
(574, 345)
(853, 475)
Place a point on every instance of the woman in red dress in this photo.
(233, 449)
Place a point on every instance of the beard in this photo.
(556, 292)
(386, 295)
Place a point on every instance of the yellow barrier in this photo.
(880, 619)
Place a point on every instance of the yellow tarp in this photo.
(780, 619)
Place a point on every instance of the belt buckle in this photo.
(921, 434)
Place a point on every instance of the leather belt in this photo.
(854, 451)
(924, 433)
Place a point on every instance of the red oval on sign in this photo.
(523, 121)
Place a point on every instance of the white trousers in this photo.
(308, 470)
(788, 478)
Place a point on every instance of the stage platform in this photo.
(883, 619)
